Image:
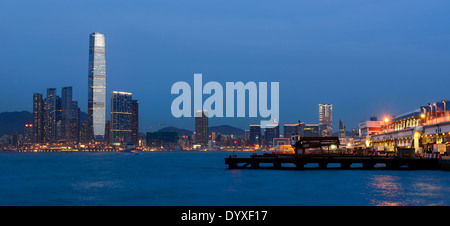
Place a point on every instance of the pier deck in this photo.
(279, 161)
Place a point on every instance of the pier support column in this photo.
(323, 165)
(368, 165)
(277, 165)
(299, 165)
(255, 165)
(345, 165)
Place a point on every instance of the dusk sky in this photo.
(364, 57)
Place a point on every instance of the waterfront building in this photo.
(121, 111)
(325, 119)
(135, 122)
(270, 132)
(425, 129)
(75, 122)
(38, 119)
(67, 114)
(97, 87)
(84, 133)
(255, 135)
(28, 134)
(15, 139)
(290, 130)
(108, 132)
(201, 127)
(309, 130)
(50, 115)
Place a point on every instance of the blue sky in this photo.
(364, 57)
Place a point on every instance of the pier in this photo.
(294, 161)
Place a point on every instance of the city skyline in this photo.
(367, 71)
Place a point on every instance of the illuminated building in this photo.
(270, 132)
(426, 129)
(201, 127)
(28, 134)
(325, 119)
(38, 119)
(84, 139)
(290, 130)
(255, 135)
(309, 130)
(67, 114)
(135, 122)
(97, 87)
(121, 111)
(50, 115)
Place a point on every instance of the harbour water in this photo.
(202, 178)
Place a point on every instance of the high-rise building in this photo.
(97, 87)
(28, 134)
(38, 118)
(309, 130)
(255, 135)
(270, 132)
(67, 114)
(120, 121)
(325, 119)
(201, 127)
(108, 132)
(75, 123)
(341, 129)
(135, 122)
(84, 132)
(50, 115)
(290, 130)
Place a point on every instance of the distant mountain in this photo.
(180, 132)
(11, 122)
(223, 129)
(226, 130)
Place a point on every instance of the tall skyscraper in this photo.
(50, 115)
(201, 127)
(38, 119)
(135, 122)
(67, 113)
(97, 87)
(28, 134)
(255, 135)
(120, 123)
(341, 129)
(325, 119)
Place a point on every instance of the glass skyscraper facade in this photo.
(325, 119)
(50, 115)
(38, 118)
(121, 117)
(97, 87)
(201, 127)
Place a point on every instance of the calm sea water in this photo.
(202, 178)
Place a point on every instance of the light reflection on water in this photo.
(203, 179)
(386, 190)
(412, 190)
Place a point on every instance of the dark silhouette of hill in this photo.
(11, 122)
